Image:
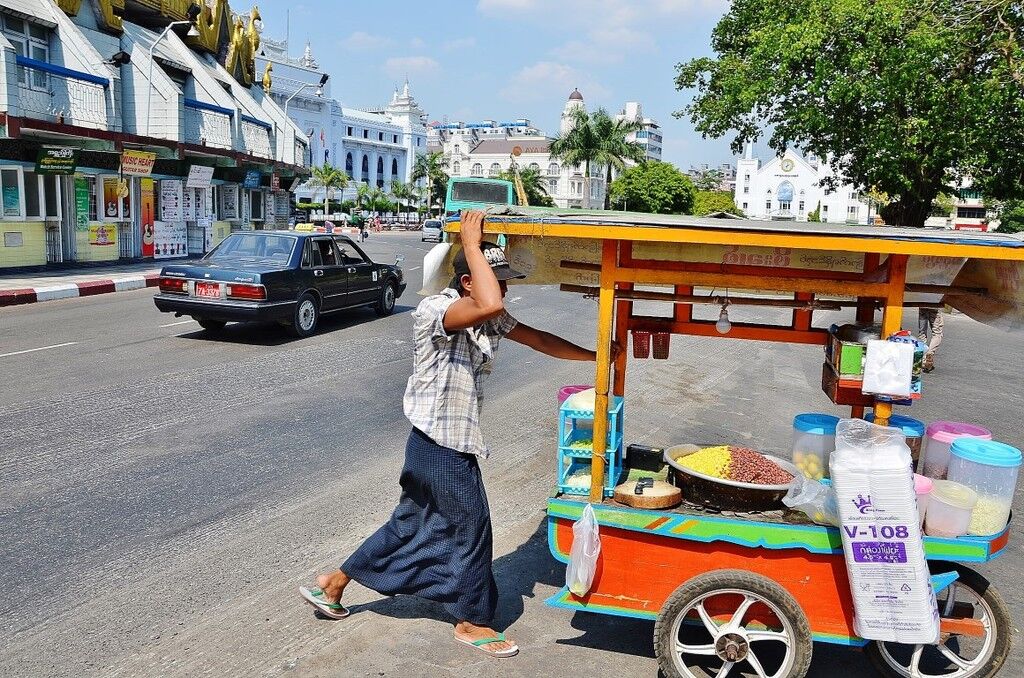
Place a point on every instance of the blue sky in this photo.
(500, 59)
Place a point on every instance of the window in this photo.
(535, 167)
(350, 256)
(51, 198)
(552, 185)
(307, 250)
(380, 136)
(348, 163)
(366, 134)
(394, 167)
(394, 138)
(744, 206)
(800, 207)
(10, 188)
(553, 168)
(456, 148)
(94, 204)
(495, 169)
(256, 205)
(323, 252)
(746, 190)
(32, 202)
(478, 170)
(456, 168)
(350, 131)
(970, 212)
(854, 195)
(824, 209)
(768, 205)
(29, 40)
(785, 206)
(746, 178)
(852, 210)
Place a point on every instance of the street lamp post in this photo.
(193, 13)
(319, 92)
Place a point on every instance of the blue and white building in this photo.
(373, 146)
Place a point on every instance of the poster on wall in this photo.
(188, 204)
(102, 234)
(111, 197)
(170, 200)
(269, 215)
(246, 209)
(199, 177)
(170, 239)
(81, 204)
(148, 216)
(229, 202)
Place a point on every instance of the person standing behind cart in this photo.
(438, 542)
(929, 330)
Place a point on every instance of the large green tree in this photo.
(707, 180)
(433, 167)
(706, 202)
(533, 184)
(904, 97)
(330, 179)
(597, 139)
(656, 187)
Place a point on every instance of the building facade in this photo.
(373, 146)
(484, 149)
(122, 138)
(726, 171)
(788, 188)
(649, 135)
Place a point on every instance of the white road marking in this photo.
(415, 268)
(180, 322)
(41, 348)
(514, 300)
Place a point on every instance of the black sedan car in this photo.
(283, 276)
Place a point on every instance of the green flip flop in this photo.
(484, 642)
(315, 597)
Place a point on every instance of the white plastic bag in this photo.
(586, 547)
(888, 368)
(815, 499)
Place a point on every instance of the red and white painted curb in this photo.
(30, 295)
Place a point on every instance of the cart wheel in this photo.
(956, 656)
(731, 622)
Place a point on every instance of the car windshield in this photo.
(255, 247)
(432, 224)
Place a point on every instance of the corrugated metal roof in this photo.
(36, 10)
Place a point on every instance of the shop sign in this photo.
(147, 187)
(81, 204)
(137, 163)
(275, 182)
(102, 234)
(252, 179)
(170, 200)
(51, 161)
(199, 176)
(171, 239)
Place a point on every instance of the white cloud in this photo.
(361, 40)
(497, 6)
(546, 80)
(458, 44)
(400, 67)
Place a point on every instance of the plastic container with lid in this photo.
(938, 439)
(814, 441)
(923, 489)
(990, 469)
(913, 430)
(949, 509)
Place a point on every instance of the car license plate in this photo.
(208, 290)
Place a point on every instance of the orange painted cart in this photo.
(748, 594)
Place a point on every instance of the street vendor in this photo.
(437, 543)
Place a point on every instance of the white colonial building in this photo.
(374, 146)
(649, 135)
(789, 188)
(484, 149)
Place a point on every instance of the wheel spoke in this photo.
(777, 636)
(915, 662)
(709, 623)
(755, 664)
(947, 609)
(953, 657)
(737, 617)
(724, 671)
(695, 649)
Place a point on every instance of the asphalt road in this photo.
(164, 493)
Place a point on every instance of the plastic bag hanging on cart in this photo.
(586, 547)
(815, 499)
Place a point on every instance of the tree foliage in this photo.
(533, 184)
(814, 216)
(433, 167)
(330, 179)
(1011, 217)
(908, 97)
(598, 139)
(707, 202)
(707, 180)
(656, 187)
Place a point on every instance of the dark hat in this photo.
(495, 256)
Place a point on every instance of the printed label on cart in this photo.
(879, 552)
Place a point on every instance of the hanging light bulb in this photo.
(723, 325)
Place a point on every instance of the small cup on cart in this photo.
(949, 509)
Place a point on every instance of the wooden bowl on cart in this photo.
(725, 495)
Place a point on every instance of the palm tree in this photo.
(533, 185)
(598, 139)
(400, 191)
(432, 167)
(363, 193)
(330, 179)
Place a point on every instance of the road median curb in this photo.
(31, 295)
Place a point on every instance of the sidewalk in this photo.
(28, 288)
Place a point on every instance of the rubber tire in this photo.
(382, 309)
(211, 326)
(732, 579)
(295, 328)
(1001, 621)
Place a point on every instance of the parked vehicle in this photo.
(433, 229)
(289, 277)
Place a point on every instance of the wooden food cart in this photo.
(733, 591)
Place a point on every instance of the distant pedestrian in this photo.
(929, 330)
(438, 543)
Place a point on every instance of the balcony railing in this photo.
(207, 124)
(256, 136)
(57, 94)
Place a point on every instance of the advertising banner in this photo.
(147, 215)
(111, 197)
(252, 179)
(56, 161)
(170, 239)
(170, 200)
(137, 163)
(188, 204)
(81, 204)
(199, 176)
(102, 234)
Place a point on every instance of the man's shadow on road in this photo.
(517, 574)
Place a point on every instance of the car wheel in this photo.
(307, 315)
(211, 326)
(386, 303)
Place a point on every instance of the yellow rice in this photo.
(711, 461)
